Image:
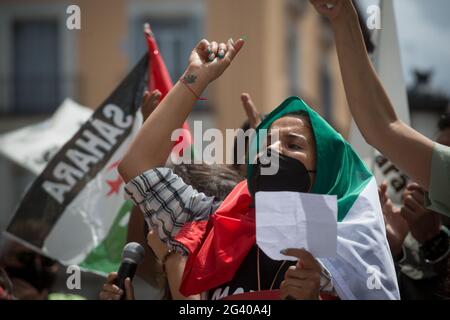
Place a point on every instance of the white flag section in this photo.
(387, 62)
(97, 210)
(77, 201)
(33, 146)
(358, 272)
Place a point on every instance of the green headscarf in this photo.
(340, 171)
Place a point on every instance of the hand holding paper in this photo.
(296, 220)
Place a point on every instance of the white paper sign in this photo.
(296, 220)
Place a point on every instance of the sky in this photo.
(424, 35)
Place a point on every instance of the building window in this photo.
(37, 58)
(177, 27)
(36, 85)
(175, 36)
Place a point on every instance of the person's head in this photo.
(314, 157)
(286, 160)
(443, 136)
(295, 140)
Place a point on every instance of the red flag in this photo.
(217, 247)
(159, 78)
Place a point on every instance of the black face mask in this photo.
(292, 175)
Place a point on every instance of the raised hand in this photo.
(209, 60)
(333, 9)
(149, 102)
(423, 223)
(152, 145)
(397, 227)
(253, 116)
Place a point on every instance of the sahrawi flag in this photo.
(77, 202)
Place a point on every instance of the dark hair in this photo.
(444, 121)
(212, 180)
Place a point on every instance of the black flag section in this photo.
(80, 159)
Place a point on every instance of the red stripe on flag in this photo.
(159, 79)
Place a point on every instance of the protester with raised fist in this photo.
(188, 222)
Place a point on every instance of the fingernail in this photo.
(208, 49)
(284, 251)
(221, 54)
(211, 57)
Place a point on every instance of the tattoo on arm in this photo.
(190, 78)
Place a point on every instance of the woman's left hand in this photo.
(159, 248)
(301, 282)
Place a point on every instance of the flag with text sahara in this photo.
(77, 202)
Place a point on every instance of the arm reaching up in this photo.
(153, 144)
(369, 104)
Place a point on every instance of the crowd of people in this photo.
(170, 203)
(197, 221)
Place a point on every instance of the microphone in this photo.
(132, 255)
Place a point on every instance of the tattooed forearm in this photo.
(190, 78)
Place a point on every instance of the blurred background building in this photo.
(288, 52)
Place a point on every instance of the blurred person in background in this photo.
(6, 291)
(32, 274)
(419, 238)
